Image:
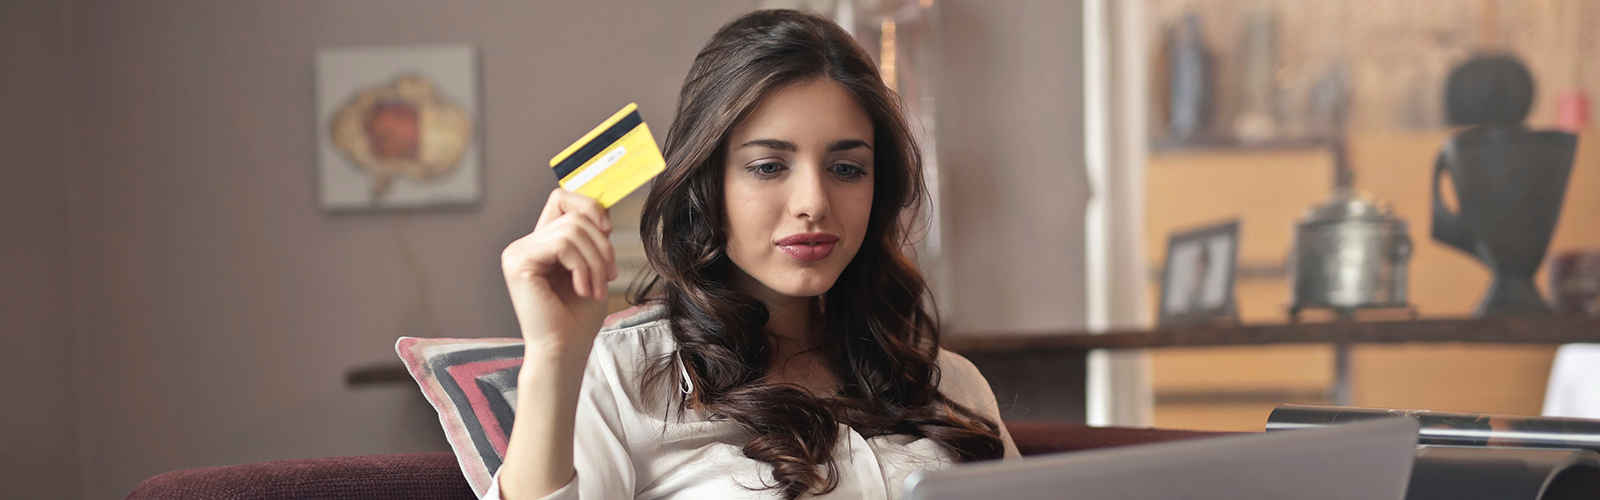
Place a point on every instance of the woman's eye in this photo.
(848, 171)
(765, 169)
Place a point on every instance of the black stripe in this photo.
(494, 387)
(598, 144)
(439, 365)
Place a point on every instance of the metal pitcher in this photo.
(1349, 253)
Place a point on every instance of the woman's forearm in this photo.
(539, 453)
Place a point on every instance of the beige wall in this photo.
(39, 453)
(1011, 138)
(209, 311)
(220, 307)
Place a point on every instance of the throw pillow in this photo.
(472, 383)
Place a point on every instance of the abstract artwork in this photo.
(396, 128)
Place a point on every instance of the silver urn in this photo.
(1349, 254)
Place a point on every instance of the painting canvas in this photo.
(397, 128)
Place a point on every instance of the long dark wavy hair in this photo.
(880, 337)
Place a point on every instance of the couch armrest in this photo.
(380, 477)
(1040, 438)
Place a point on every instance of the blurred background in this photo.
(1287, 77)
(197, 269)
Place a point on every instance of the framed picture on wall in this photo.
(1198, 279)
(397, 128)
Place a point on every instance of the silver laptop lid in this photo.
(1362, 461)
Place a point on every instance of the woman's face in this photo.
(798, 189)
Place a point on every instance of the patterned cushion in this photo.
(472, 383)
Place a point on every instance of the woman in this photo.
(784, 348)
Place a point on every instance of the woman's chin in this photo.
(788, 281)
(806, 284)
(805, 289)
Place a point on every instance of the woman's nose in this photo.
(808, 196)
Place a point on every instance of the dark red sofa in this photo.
(435, 476)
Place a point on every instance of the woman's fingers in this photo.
(574, 233)
(571, 243)
(608, 255)
(580, 235)
(573, 260)
(563, 202)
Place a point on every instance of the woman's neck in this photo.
(790, 321)
(796, 357)
(788, 318)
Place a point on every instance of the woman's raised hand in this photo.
(557, 274)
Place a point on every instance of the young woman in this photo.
(783, 348)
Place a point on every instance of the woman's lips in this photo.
(808, 247)
(808, 253)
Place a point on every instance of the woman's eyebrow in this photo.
(848, 144)
(780, 145)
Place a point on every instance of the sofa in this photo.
(436, 476)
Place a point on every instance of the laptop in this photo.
(1361, 461)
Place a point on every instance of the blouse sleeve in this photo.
(960, 381)
(600, 454)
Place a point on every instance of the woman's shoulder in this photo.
(638, 315)
(952, 362)
(631, 351)
(634, 334)
(631, 345)
(959, 379)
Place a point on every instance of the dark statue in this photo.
(1509, 184)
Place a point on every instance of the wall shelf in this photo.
(1501, 330)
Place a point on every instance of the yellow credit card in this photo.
(612, 160)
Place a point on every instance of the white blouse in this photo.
(629, 446)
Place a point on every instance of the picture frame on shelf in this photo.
(1197, 281)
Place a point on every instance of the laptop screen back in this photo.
(1363, 461)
